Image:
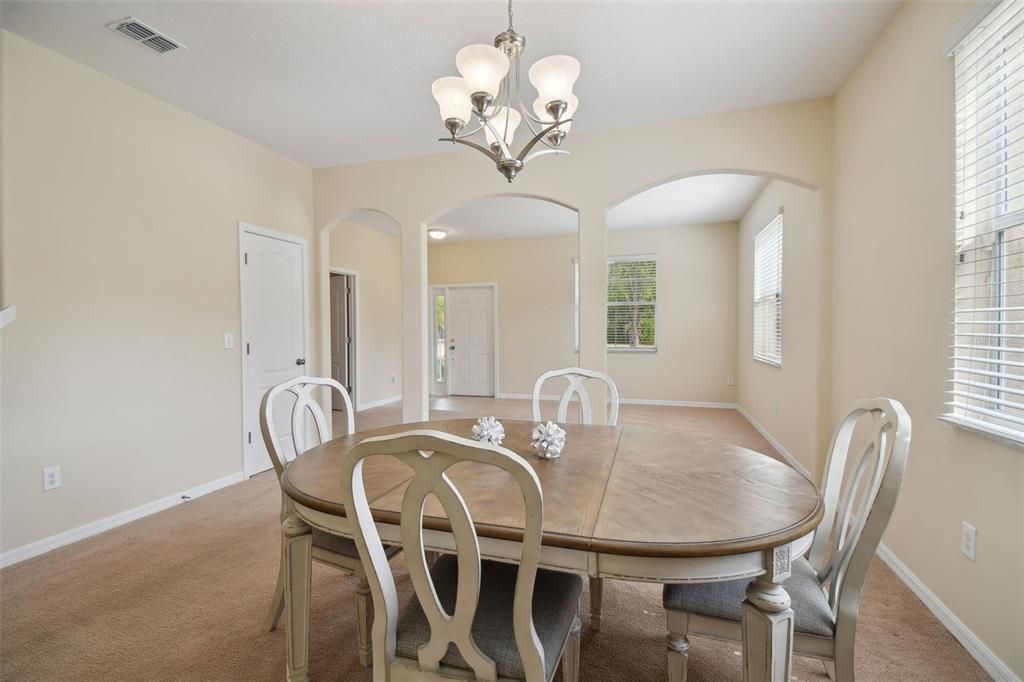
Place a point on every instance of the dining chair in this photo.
(825, 586)
(328, 549)
(506, 622)
(576, 378)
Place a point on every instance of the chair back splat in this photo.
(429, 454)
(577, 377)
(305, 404)
(859, 502)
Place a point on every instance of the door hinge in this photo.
(250, 438)
(247, 351)
(246, 258)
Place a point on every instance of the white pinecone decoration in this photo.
(548, 440)
(489, 430)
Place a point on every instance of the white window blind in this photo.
(987, 378)
(768, 293)
(632, 302)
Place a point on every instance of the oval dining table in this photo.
(622, 502)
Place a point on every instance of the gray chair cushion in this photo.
(811, 612)
(556, 599)
(344, 546)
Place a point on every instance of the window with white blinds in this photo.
(987, 378)
(768, 293)
(632, 303)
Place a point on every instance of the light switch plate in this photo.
(968, 540)
(229, 340)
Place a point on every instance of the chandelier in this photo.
(488, 92)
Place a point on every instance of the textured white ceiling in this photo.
(507, 218)
(690, 201)
(340, 82)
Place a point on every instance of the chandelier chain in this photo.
(510, 15)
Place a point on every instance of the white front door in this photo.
(470, 325)
(273, 334)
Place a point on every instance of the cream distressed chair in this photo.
(825, 587)
(577, 377)
(507, 623)
(329, 549)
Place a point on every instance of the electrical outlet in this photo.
(394, 378)
(51, 478)
(968, 540)
(229, 340)
(730, 381)
(776, 407)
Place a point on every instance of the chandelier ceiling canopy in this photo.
(486, 97)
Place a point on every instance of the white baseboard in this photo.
(992, 664)
(38, 547)
(525, 396)
(625, 401)
(678, 403)
(379, 403)
(790, 459)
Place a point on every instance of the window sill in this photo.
(770, 363)
(990, 431)
(633, 350)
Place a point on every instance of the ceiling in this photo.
(331, 83)
(690, 201)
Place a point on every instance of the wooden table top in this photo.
(615, 490)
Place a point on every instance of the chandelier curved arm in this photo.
(471, 133)
(500, 139)
(542, 152)
(538, 137)
(491, 155)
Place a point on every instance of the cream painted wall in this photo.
(696, 319)
(535, 300)
(791, 141)
(377, 257)
(893, 269)
(798, 387)
(120, 229)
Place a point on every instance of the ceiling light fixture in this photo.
(437, 233)
(489, 91)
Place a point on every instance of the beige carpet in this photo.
(180, 595)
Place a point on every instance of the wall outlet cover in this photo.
(51, 478)
(968, 540)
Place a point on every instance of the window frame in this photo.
(767, 359)
(657, 286)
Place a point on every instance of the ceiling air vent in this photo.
(138, 32)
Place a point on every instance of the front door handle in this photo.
(300, 361)
(451, 347)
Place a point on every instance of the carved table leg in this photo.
(596, 595)
(298, 568)
(678, 645)
(767, 624)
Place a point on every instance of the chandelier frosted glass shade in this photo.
(483, 67)
(452, 98)
(541, 112)
(504, 114)
(487, 101)
(554, 77)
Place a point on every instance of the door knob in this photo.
(300, 361)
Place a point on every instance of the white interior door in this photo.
(273, 334)
(342, 328)
(470, 325)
